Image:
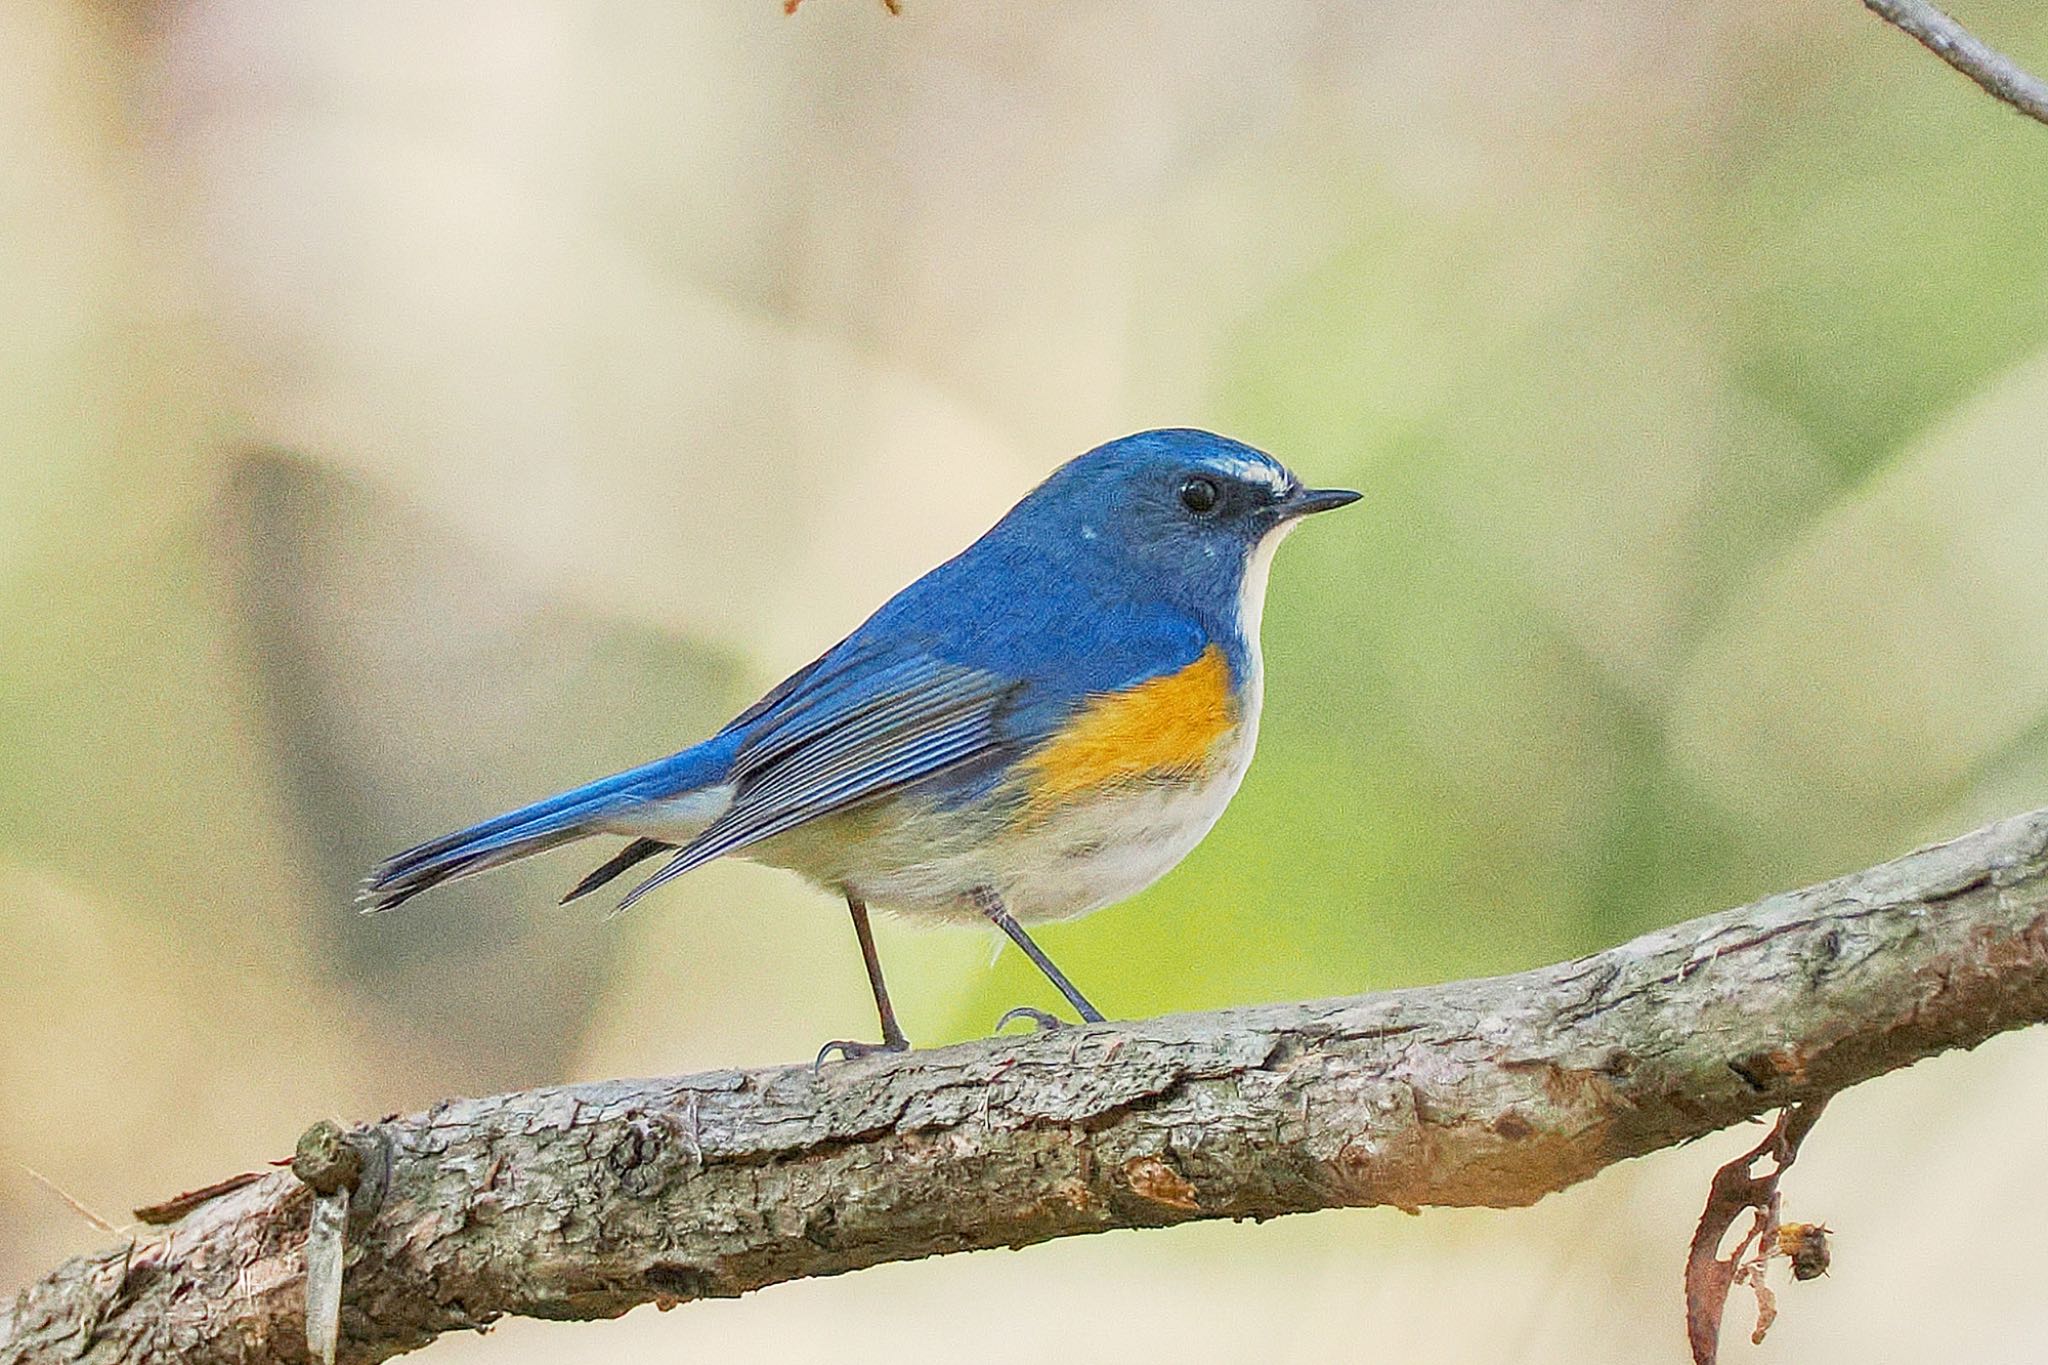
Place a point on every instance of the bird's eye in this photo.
(1200, 495)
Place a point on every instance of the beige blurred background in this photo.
(408, 410)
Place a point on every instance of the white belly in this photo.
(1090, 853)
(928, 863)
(1098, 853)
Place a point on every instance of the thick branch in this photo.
(1998, 74)
(583, 1201)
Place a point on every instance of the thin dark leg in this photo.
(892, 1033)
(992, 906)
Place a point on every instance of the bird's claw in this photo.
(1041, 1021)
(853, 1051)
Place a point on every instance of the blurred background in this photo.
(406, 411)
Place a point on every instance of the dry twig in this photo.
(893, 6)
(1708, 1277)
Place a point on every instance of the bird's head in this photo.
(1182, 514)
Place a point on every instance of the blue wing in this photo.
(853, 730)
(884, 711)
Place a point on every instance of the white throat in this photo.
(1251, 600)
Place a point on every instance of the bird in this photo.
(1043, 725)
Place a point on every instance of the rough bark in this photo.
(583, 1201)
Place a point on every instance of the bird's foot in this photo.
(1041, 1022)
(853, 1051)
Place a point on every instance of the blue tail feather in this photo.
(545, 824)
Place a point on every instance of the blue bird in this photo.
(1043, 725)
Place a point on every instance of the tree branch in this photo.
(583, 1201)
(1997, 73)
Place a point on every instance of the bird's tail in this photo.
(605, 805)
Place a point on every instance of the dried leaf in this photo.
(1708, 1276)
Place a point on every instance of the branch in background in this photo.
(1997, 73)
(893, 6)
(584, 1201)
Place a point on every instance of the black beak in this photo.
(1302, 501)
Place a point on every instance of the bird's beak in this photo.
(1302, 501)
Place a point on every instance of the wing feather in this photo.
(912, 696)
(844, 739)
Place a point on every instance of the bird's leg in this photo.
(892, 1033)
(992, 906)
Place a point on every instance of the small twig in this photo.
(893, 6)
(1998, 74)
(178, 1205)
(76, 1207)
(1708, 1276)
(330, 1162)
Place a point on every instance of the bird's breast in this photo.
(1176, 728)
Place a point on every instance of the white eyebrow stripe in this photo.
(1254, 471)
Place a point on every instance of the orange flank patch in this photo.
(1167, 727)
